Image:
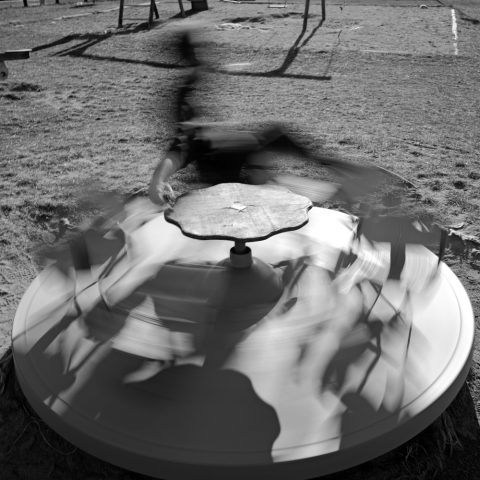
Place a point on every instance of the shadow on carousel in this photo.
(131, 335)
(150, 328)
(362, 352)
(142, 323)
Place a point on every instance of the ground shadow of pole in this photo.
(91, 39)
(290, 57)
(295, 49)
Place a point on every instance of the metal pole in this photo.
(155, 10)
(182, 11)
(150, 14)
(305, 15)
(120, 14)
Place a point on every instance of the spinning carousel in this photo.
(243, 333)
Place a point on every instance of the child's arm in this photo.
(160, 191)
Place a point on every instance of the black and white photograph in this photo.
(239, 239)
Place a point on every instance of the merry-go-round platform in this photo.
(230, 338)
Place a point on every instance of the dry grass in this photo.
(97, 108)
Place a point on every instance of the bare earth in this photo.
(381, 82)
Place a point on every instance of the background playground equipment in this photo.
(42, 2)
(152, 10)
(307, 8)
(197, 6)
(11, 55)
(277, 4)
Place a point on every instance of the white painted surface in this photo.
(454, 31)
(308, 381)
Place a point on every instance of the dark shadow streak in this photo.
(126, 30)
(60, 41)
(129, 60)
(289, 59)
(90, 40)
(79, 49)
(375, 330)
(295, 49)
(278, 74)
(314, 31)
(79, 52)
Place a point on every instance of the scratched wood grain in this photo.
(239, 212)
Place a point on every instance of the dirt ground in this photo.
(393, 83)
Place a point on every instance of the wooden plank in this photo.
(238, 212)
(15, 54)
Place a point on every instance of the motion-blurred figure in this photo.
(86, 255)
(230, 155)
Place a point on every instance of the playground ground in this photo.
(386, 82)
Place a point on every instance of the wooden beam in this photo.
(15, 54)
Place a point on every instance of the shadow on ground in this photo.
(88, 40)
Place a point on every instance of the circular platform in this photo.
(173, 382)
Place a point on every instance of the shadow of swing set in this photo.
(201, 5)
(24, 54)
(197, 6)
